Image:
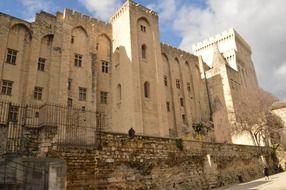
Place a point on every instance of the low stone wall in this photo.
(32, 173)
(158, 163)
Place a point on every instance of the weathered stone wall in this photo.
(32, 173)
(3, 137)
(157, 163)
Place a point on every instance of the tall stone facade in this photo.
(231, 71)
(121, 69)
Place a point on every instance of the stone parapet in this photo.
(158, 163)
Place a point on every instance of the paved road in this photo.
(276, 182)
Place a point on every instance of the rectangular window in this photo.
(13, 113)
(143, 28)
(104, 66)
(41, 64)
(189, 86)
(38, 91)
(184, 119)
(77, 60)
(11, 56)
(168, 106)
(182, 101)
(69, 102)
(103, 97)
(7, 87)
(166, 80)
(72, 39)
(82, 94)
(178, 84)
(69, 84)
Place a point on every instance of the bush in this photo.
(179, 144)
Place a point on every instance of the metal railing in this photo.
(59, 124)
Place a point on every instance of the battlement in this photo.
(134, 5)
(224, 36)
(68, 13)
(177, 51)
(142, 8)
(15, 18)
(44, 16)
(227, 35)
(120, 11)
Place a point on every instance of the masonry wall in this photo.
(183, 68)
(157, 163)
(32, 173)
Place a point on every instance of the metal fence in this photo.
(70, 125)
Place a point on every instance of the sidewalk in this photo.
(275, 182)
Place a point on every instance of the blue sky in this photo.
(185, 22)
(26, 9)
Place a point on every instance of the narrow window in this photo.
(72, 39)
(13, 113)
(182, 101)
(82, 94)
(143, 28)
(69, 84)
(41, 64)
(103, 97)
(184, 118)
(189, 87)
(143, 51)
(147, 90)
(7, 87)
(104, 67)
(50, 40)
(166, 80)
(119, 91)
(77, 60)
(11, 56)
(178, 84)
(38, 93)
(168, 106)
(69, 102)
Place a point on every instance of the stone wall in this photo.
(32, 173)
(158, 163)
(3, 137)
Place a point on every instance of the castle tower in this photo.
(236, 52)
(138, 100)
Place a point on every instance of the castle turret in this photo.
(137, 71)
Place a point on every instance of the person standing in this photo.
(266, 173)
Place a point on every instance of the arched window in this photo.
(119, 92)
(177, 60)
(144, 51)
(147, 90)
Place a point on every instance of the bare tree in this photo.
(253, 115)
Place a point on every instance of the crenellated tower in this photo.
(137, 71)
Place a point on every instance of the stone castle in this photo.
(122, 69)
(72, 86)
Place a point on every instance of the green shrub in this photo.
(179, 144)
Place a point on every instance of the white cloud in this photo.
(166, 8)
(102, 9)
(281, 71)
(260, 22)
(33, 6)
